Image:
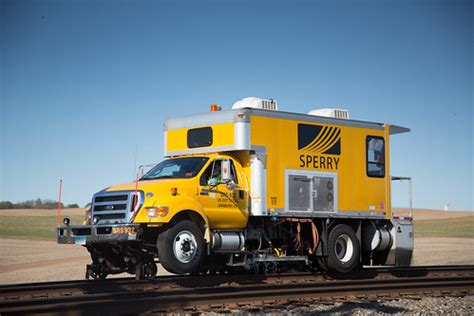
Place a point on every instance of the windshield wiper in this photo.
(159, 177)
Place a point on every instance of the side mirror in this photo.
(213, 182)
(225, 171)
(230, 185)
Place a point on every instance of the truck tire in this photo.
(343, 249)
(181, 248)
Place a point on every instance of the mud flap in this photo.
(401, 252)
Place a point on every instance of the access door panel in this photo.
(310, 192)
(299, 193)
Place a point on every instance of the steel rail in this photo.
(16, 291)
(145, 296)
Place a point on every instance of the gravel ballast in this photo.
(424, 306)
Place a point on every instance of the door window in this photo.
(213, 172)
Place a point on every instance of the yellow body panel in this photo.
(356, 191)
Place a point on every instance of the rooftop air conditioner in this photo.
(337, 113)
(256, 103)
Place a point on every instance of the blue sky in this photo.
(85, 82)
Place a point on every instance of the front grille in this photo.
(111, 216)
(110, 198)
(111, 207)
(115, 207)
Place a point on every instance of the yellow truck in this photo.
(253, 189)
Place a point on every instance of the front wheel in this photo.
(181, 248)
(343, 249)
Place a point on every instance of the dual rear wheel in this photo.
(343, 250)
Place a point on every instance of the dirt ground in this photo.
(443, 251)
(24, 260)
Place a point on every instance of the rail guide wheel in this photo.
(146, 269)
(95, 272)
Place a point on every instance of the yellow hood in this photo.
(161, 188)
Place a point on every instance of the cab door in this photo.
(226, 207)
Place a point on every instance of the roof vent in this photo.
(337, 113)
(256, 103)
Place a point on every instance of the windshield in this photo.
(176, 168)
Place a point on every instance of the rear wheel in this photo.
(343, 249)
(181, 248)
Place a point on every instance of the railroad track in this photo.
(169, 293)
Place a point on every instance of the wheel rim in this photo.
(344, 248)
(185, 246)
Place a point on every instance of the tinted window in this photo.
(375, 156)
(199, 137)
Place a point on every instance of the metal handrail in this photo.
(410, 192)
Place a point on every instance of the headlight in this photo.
(157, 211)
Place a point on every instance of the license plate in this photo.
(124, 230)
(80, 240)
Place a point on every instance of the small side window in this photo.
(375, 156)
(199, 137)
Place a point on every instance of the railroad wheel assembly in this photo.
(343, 250)
(181, 248)
(95, 271)
(146, 269)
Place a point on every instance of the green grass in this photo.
(45, 226)
(462, 227)
(33, 226)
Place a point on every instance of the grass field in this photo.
(461, 227)
(45, 226)
(34, 226)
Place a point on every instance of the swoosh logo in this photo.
(317, 139)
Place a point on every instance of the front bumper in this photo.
(87, 234)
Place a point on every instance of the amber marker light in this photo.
(157, 211)
(174, 191)
(215, 108)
